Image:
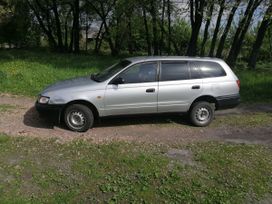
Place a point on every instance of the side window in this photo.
(209, 69)
(195, 71)
(171, 71)
(140, 73)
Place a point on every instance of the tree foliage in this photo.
(154, 27)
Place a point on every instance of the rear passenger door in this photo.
(179, 85)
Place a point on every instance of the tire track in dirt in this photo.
(23, 120)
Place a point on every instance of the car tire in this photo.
(78, 118)
(202, 113)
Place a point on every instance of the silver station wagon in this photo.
(144, 85)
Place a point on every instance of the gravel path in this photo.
(23, 120)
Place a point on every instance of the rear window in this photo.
(171, 71)
(206, 70)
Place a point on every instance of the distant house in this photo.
(93, 31)
(91, 35)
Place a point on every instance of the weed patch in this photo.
(46, 171)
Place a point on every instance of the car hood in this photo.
(74, 84)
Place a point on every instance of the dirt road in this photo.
(21, 119)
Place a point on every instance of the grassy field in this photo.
(28, 72)
(243, 120)
(35, 171)
(47, 171)
(256, 85)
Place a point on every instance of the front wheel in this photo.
(202, 114)
(78, 118)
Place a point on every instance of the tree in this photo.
(216, 30)
(53, 17)
(206, 30)
(58, 24)
(76, 27)
(147, 35)
(154, 16)
(162, 25)
(103, 9)
(196, 17)
(169, 26)
(266, 22)
(241, 31)
(227, 28)
(42, 14)
(15, 23)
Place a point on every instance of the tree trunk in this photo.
(196, 17)
(270, 40)
(192, 47)
(231, 57)
(216, 30)
(97, 39)
(46, 31)
(76, 26)
(71, 46)
(114, 52)
(237, 46)
(147, 36)
(100, 42)
(108, 37)
(154, 28)
(130, 40)
(162, 24)
(86, 32)
(103, 15)
(226, 30)
(208, 22)
(58, 25)
(66, 34)
(267, 20)
(119, 36)
(169, 26)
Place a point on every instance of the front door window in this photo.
(140, 73)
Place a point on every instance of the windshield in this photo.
(112, 70)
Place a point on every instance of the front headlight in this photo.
(43, 99)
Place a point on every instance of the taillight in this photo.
(238, 83)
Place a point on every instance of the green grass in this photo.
(243, 120)
(46, 171)
(256, 85)
(26, 72)
(5, 107)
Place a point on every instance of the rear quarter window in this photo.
(175, 70)
(207, 69)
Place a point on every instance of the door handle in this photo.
(150, 90)
(196, 87)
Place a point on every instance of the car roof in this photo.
(170, 58)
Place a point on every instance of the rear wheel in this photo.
(78, 118)
(202, 113)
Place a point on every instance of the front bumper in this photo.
(230, 101)
(50, 111)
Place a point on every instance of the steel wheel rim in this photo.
(202, 114)
(76, 119)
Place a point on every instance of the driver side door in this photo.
(138, 93)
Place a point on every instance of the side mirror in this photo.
(117, 81)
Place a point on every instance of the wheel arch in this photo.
(82, 102)
(207, 98)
